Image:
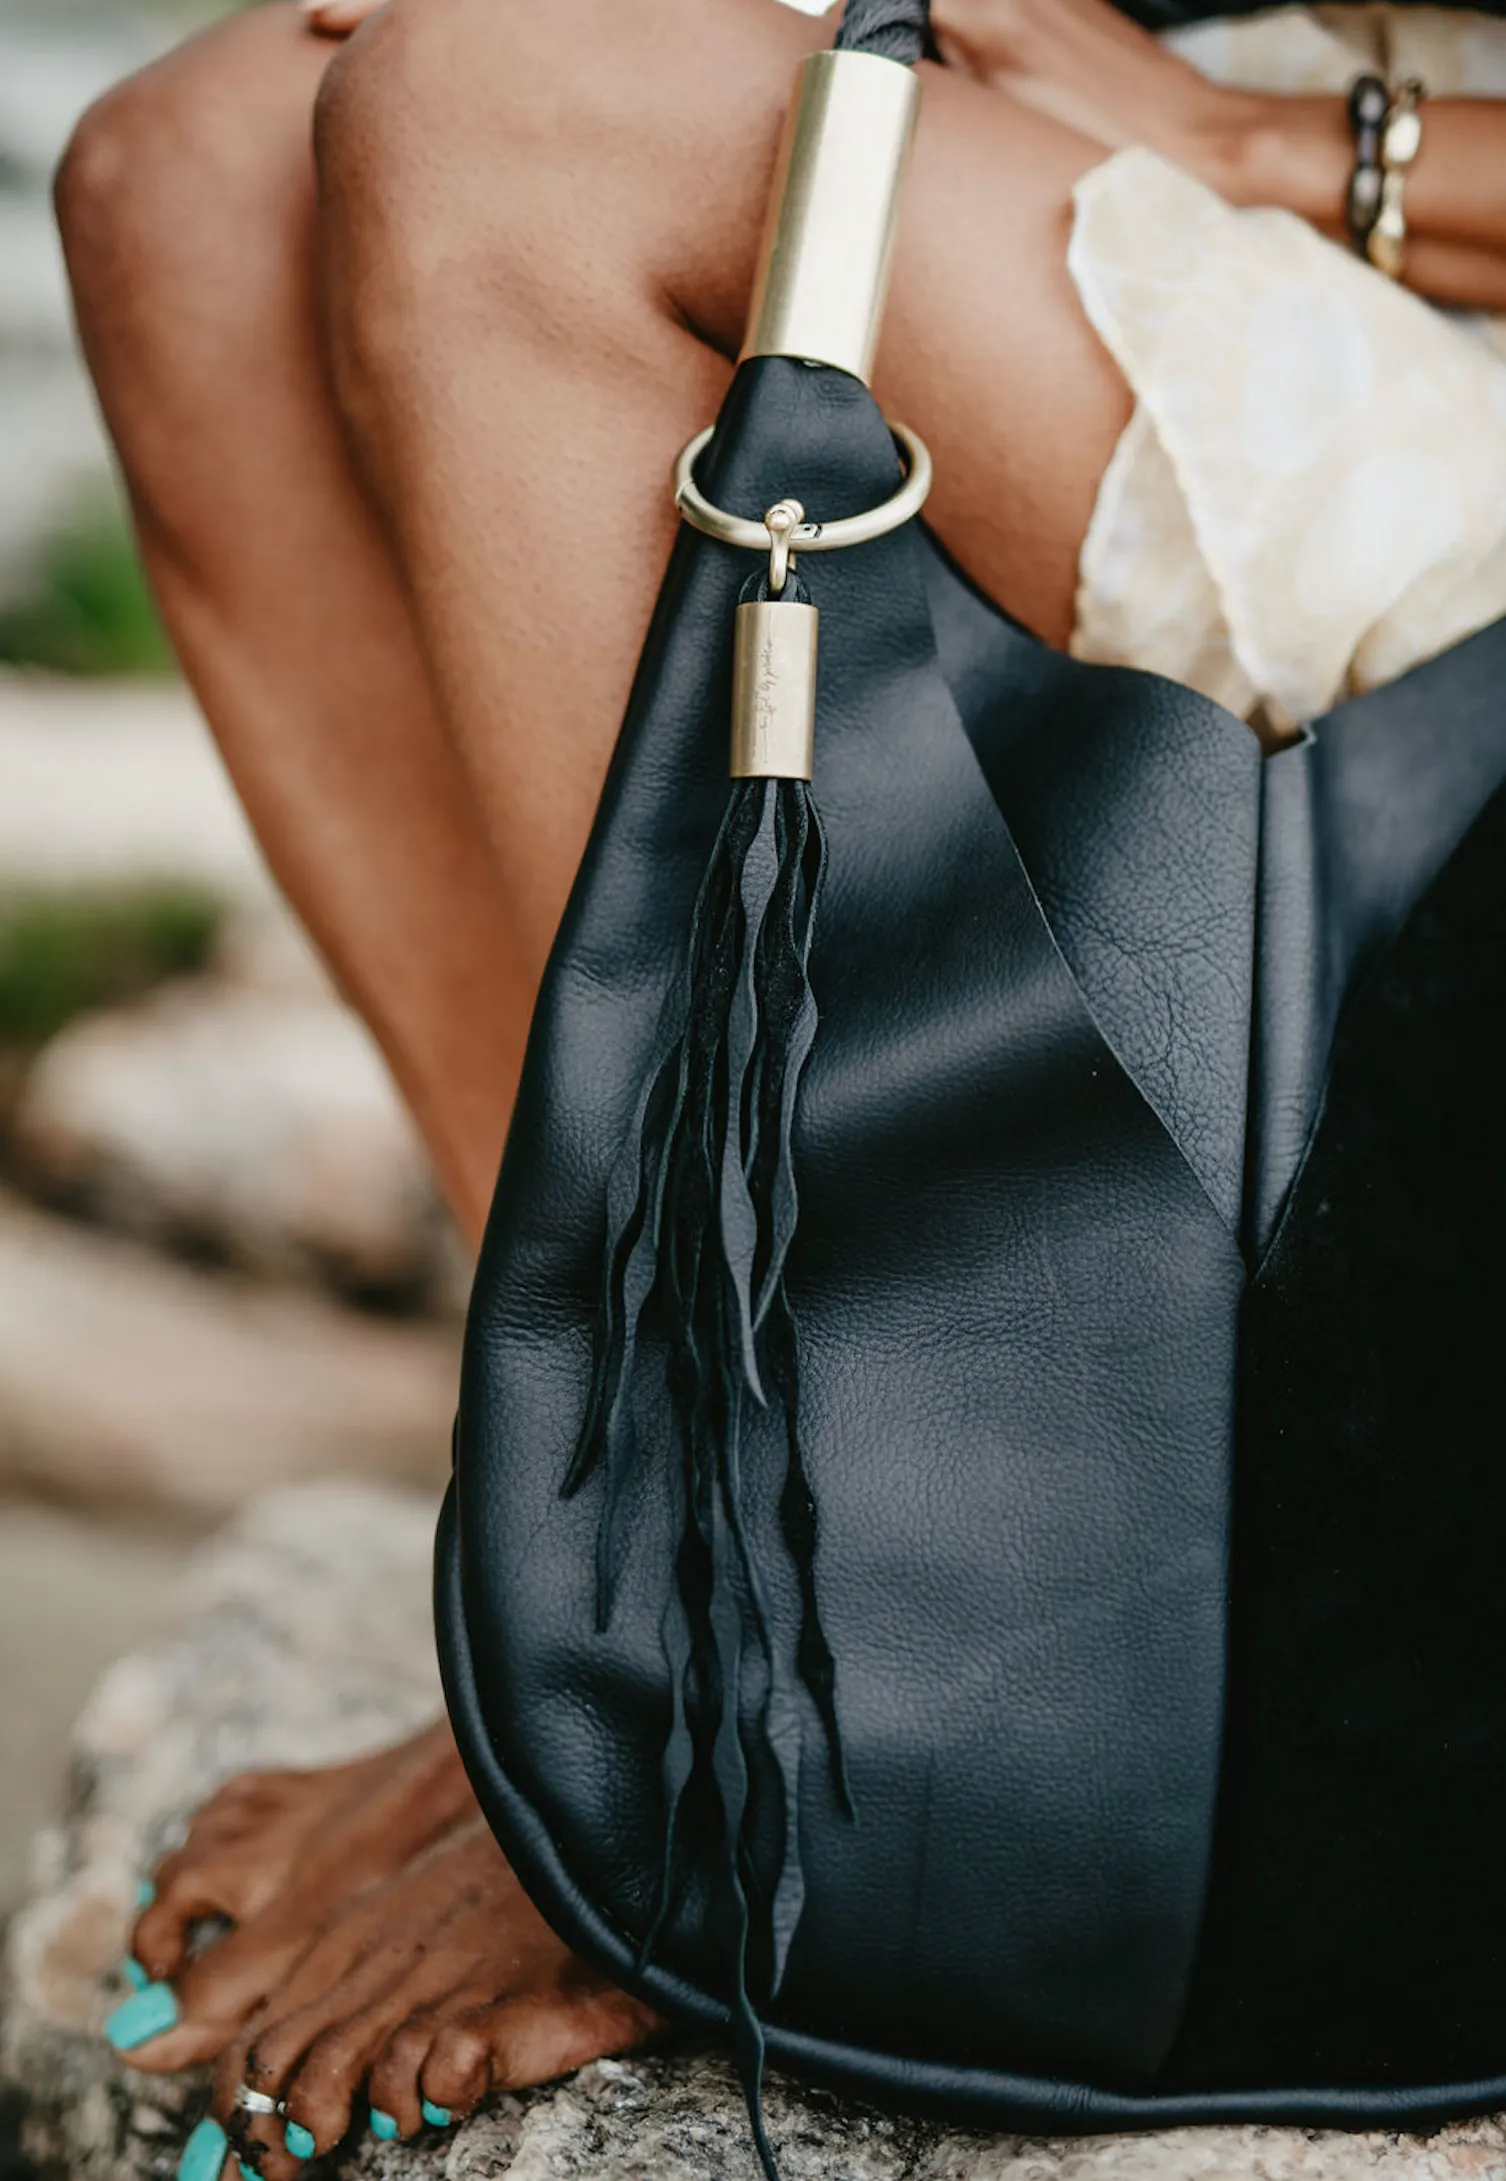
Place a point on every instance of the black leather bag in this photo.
(1145, 1369)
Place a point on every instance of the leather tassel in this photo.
(703, 1210)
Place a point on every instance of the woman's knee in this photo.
(549, 164)
(177, 183)
(421, 75)
(427, 111)
(438, 184)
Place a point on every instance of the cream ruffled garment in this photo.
(1310, 497)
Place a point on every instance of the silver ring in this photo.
(257, 2101)
(755, 537)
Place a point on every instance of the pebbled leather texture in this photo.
(1353, 831)
(1135, 806)
(1125, 793)
(1357, 1924)
(1003, 1265)
(1023, 1148)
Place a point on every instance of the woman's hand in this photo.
(1092, 69)
(337, 18)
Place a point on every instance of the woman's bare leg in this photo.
(539, 228)
(187, 208)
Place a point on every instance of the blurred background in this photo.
(222, 1259)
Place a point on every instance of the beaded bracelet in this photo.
(1369, 104)
(1401, 141)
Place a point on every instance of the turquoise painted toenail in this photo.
(382, 2124)
(438, 2116)
(146, 1893)
(146, 2014)
(298, 2140)
(204, 2153)
(134, 1974)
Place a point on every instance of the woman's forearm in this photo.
(1297, 153)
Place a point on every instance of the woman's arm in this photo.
(1088, 65)
(1297, 152)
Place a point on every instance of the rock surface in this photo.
(302, 1636)
(75, 1592)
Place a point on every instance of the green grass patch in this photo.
(61, 955)
(87, 609)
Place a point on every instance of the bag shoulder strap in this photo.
(897, 30)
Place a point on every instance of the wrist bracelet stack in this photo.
(1387, 131)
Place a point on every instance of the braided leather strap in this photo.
(897, 29)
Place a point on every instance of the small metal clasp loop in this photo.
(782, 521)
(757, 535)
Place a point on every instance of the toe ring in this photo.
(257, 2101)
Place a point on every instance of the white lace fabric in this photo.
(1310, 497)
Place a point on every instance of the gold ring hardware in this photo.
(754, 535)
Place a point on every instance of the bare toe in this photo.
(314, 2046)
(419, 1996)
(516, 2008)
(221, 1993)
(275, 1855)
(188, 1887)
(464, 1989)
(533, 2038)
(263, 1835)
(329, 2090)
(265, 2059)
(397, 2073)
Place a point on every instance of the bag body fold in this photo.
(1062, 1147)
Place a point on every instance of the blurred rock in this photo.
(107, 785)
(126, 1380)
(258, 1125)
(77, 1587)
(303, 1637)
(246, 1115)
(55, 55)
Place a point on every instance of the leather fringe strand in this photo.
(702, 1211)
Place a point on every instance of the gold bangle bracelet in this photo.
(1401, 141)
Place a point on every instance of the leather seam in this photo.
(1230, 1226)
(993, 2096)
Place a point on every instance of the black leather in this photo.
(1003, 1257)
(1340, 834)
(1358, 1913)
(1023, 1150)
(1355, 826)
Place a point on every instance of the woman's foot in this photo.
(421, 1995)
(275, 1855)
